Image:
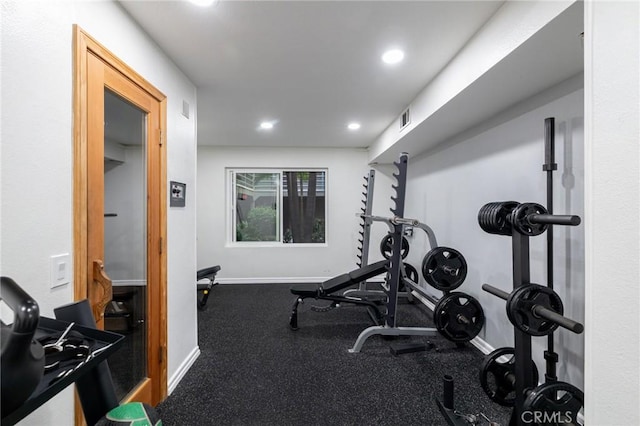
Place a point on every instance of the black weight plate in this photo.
(444, 268)
(497, 377)
(520, 309)
(458, 317)
(481, 217)
(412, 274)
(386, 247)
(553, 404)
(493, 215)
(503, 218)
(490, 217)
(520, 221)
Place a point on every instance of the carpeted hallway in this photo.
(254, 370)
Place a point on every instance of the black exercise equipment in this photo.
(22, 359)
(453, 416)
(411, 273)
(208, 274)
(95, 389)
(42, 356)
(534, 310)
(497, 377)
(458, 317)
(365, 225)
(328, 290)
(444, 268)
(549, 167)
(530, 219)
(461, 317)
(556, 403)
(386, 247)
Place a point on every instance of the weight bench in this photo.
(327, 290)
(208, 274)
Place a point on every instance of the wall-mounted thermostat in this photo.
(177, 194)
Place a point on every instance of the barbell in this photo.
(535, 309)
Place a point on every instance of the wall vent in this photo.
(185, 109)
(405, 118)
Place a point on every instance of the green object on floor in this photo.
(131, 414)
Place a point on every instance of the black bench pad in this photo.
(343, 281)
(208, 272)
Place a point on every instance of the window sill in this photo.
(265, 244)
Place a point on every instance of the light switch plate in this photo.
(60, 270)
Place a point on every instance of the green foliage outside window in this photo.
(259, 226)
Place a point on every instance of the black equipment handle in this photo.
(447, 399)
(495, 291)
(562, 321)
(554, 219)
(549, 145)
(540, 311)
(25, 310)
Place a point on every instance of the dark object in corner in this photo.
(22, 356)
(406, 348)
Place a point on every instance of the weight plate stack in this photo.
(494, 218)
(444, 268)
(458, 317)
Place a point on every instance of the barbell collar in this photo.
(555, 317)
(495, 291)
(551, 219)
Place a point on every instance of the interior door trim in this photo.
(85, 45)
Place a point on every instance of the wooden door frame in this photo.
(85, 45)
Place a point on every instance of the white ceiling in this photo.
(312, 66)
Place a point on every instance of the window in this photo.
(278, 206)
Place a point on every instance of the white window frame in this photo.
(232, 199)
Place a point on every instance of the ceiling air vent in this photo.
(405, 119)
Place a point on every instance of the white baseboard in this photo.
(182, 370)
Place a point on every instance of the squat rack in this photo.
(396, 271)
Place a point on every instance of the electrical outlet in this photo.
(60, 270)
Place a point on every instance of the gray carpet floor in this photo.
(254, 370)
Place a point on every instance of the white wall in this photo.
(37, 145)
(503, 161)
(346, 169)
(612, 200)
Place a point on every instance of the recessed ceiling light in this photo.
(353, 126)
(203, 3)
(393, 56)
(266, 125)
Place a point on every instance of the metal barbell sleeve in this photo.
(551, 219)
